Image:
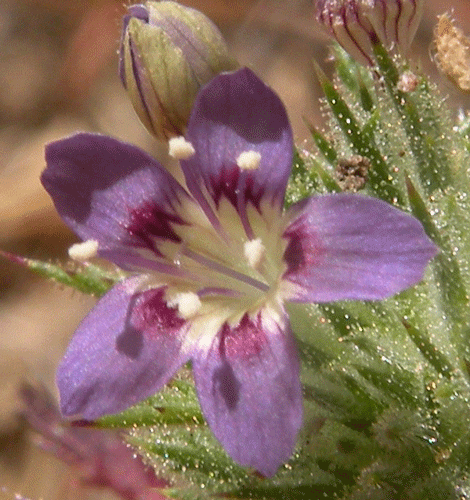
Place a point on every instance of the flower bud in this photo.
(359, 24)
(168, 52)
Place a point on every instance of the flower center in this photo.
(217, 273)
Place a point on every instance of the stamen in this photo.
(188, 304)
(254, 251)
(180, 148)
(249, 160)
(215, 266)
(83, 251)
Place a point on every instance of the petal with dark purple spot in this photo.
(112, 192)
(353, 247)
(237, 113)
(124, 351)
(250, 394)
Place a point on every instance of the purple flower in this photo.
(211, 264)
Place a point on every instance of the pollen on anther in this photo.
(180, 148)
(188, 304)
(254, 252)
(83, 251)
(249, 160)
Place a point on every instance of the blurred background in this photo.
(58, 61)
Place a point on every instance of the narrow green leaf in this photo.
(87, 278)
(451, 284)
(435, 357)
(354, 76)
(305, 179)
(323, 145)
(392, 381)
(423, 126)
(420, 211)
(327, 179)
(362, 143)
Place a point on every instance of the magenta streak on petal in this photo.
(409, 23)
(235, 114)
(245, 341)
(152, 316)
(226, 184)
(232, 185)
(211, 216)
(249, 389)
(345, 25)
(210, 264)
(125, 350)
(297, 255)
(239, 188)
(151, 223)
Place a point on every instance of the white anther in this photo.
(254, 251)
(249, 160)
(188, 304)
(180, 148)
(83, 251)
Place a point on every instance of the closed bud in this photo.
(168, 52)
(359, 24)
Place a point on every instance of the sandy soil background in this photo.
(58, 75)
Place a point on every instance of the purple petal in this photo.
(112, 192)
(250, 394)
(235, 113)
(124, 351)
(353, 247)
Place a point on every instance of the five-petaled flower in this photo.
(211, 264)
